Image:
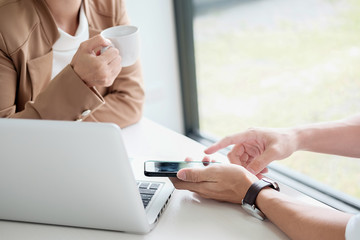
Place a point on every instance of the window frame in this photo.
(184, 15)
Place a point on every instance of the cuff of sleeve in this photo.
(352, 231)
(67, 98)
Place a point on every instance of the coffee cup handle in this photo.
(103, 49)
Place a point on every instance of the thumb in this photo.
(96, 42)
(260, 163)
(192, 175)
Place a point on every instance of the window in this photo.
(273, 63)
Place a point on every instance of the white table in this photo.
(187, 216)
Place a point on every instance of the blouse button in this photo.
(85, 113)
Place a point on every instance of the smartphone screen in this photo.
(168, 168)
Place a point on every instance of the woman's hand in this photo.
(255, 148)
(97, 69)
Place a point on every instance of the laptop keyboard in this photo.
(147, 191)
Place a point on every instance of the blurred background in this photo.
(280, 63)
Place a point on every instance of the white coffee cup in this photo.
(126, 39)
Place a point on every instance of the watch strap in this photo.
(256, 187)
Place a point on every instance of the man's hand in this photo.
(223, 182)
(255, 148)
(95, 69)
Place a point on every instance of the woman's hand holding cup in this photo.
(95, 69)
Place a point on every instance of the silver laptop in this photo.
(74, 174)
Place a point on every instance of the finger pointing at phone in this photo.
(255, 148)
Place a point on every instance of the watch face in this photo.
(253, 211)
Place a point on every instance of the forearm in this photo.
(302, 221)
(119, 110)
(338, 137)
(65, 98)
(123, 100)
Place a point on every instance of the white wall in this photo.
(159, 58)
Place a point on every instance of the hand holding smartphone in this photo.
(154, 168)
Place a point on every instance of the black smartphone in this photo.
(153, 168)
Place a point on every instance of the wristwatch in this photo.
(248, 203)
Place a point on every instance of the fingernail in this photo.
(181, 175)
